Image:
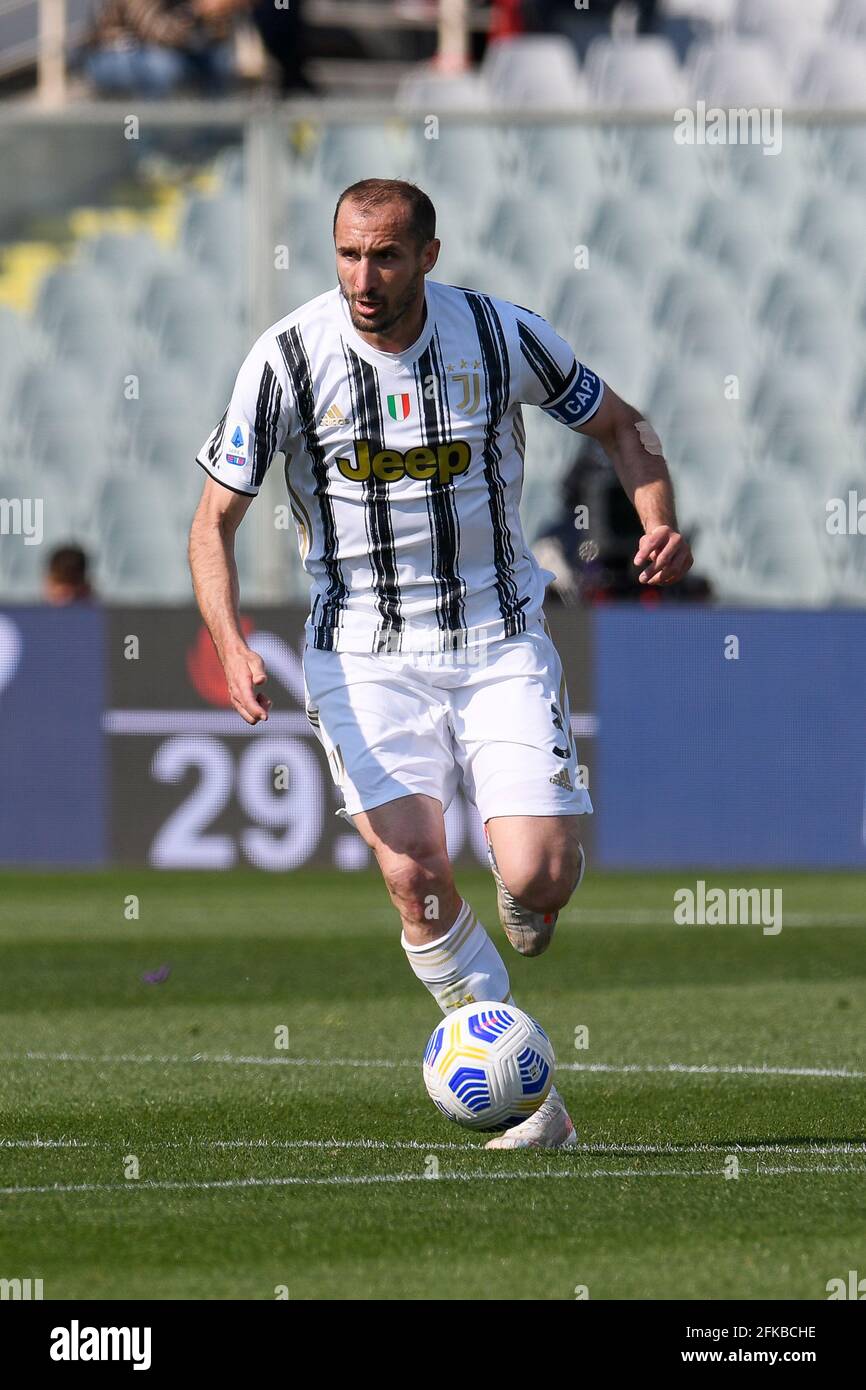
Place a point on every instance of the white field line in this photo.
(370, 1179)
(382, 1063)
(574, 915)
(780, 1150)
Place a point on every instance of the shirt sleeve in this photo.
(239, 450)
(550, 376)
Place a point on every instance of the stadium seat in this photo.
(469, 159)
(306, 228)
(688, 397)
(630, 232)
(849, 18)
(717, 331)
(360, 150)
(105, 353)
(123, 259)
(735, 72)
(812, 447)
(214, 235)
(652, 161)
(830, 347)
(846, 149)
(229, 168)
(533, 70)
(73, 291)
(596, 301)
(716, 13)
(767, 503)
(832, 76)
(144, 562)
(171, 288)
(819, 214)
(563, 158)
(704, 466)
(634, 74)
(57, 390)
(788, 392)
(795, 288)
(790, 27)
(688, 286)
(426, 90)
(525, 233)
(780, 180)
(734, 236)
(626, 362)
(18, 336)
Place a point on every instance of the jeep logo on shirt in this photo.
(444, 461)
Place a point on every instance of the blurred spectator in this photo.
(66, 577)
(152, 47)
(591, 543)
(584, 25)
(282, 32)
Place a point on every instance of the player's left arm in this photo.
(635, 451)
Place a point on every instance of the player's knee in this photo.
(545, 885)
(416, 883)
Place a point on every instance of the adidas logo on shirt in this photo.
(562, 779)
(333, 416)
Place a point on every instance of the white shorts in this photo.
(396, 724)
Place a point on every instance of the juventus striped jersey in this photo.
(404, 470)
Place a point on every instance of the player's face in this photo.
(380, 266)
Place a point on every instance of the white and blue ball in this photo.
(488, 1065)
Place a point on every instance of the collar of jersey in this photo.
(389, 359)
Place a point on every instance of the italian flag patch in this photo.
(399, 406)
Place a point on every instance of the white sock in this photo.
(462, 966)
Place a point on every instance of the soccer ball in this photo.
(488, 1065)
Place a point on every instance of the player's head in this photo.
(66, 578)
(385, 240)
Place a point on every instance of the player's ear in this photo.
(431, 254)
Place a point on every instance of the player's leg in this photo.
(538, 862)
(407, 836)
(514, 742)
(446, 945)
(390, 751)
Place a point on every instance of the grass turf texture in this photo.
(330, 1216)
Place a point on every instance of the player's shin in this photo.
(464, 966)
(461, 966)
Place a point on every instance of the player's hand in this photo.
(665, 556)
(245, 672)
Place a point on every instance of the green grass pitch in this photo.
(307, 1169)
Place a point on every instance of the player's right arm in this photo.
(215, 581)
(236, 456)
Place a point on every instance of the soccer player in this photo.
(397, 404)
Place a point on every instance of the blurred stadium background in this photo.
(147, 238)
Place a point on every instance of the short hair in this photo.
(68, 565)
(376, 193)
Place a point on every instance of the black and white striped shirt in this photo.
(404, 470)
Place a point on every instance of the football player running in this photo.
(397, 402)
